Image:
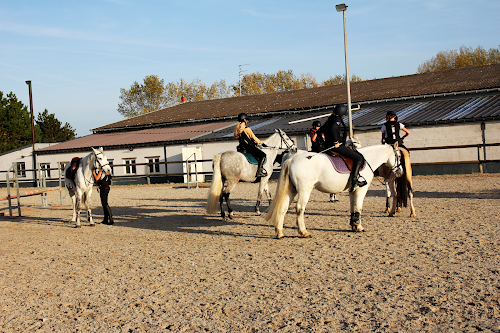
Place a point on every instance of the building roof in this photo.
(144, 137)
(459, 109)
(450, 81)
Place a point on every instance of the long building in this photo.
(453, 116)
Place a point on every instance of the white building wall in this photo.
(421, 136)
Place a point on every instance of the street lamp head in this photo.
(28, 82)
(341, 7)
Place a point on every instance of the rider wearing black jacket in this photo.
(335, 133)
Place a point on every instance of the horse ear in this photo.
(396, 145)
(95, 151)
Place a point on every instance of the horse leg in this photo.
(89, 212)
(412, 209)
(259, 196)
(268, 193)
(231, 184)
(73, 203)
(221, 203)
(388, 197)
(391, 191)
(300, 208)
(333, 197)
(77, 208)
(357, 198)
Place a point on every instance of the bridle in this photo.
(97, 166)
(285, 141)
(392, 175)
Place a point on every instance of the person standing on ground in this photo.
(103, 181)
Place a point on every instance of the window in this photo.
(45, 168)
(154, 164)
(111, 166)
(130, 168)
(21, 169)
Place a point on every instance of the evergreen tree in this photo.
(15, 123)
(51, 129)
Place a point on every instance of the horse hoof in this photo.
(413, 215)
(78, 226)
(92, 225)
(305, 235)
(258, 213)
(357, 228)
(392, 215)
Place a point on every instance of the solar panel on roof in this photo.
(467, 108)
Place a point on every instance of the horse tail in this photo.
(215, 188)
(402, 183)
(282, 199)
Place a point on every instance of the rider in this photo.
(335, 133)
(249, 142)
(315, 138)
(390, 130)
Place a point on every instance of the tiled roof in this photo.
(137, 138)
(465, 79)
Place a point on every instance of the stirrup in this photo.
(261, 173)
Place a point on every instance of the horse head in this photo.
(101, 161)
(290, 145)
(397, 168)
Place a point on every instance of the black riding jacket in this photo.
(392, 132)
(334, 130)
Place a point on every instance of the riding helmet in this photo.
(391, 114)
(316, 123)
(242, 117)
(340, 110)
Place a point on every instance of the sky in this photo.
(79, 54)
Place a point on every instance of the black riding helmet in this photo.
(340, 110)
(242, 117)
(316, 123)
(391, 114)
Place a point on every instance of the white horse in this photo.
(81, 189)
(307, 171)
(400, 189)
(231, 167)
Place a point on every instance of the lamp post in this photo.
(239, 75)
(32, 130)
(342, 8)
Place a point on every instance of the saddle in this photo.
(341, 163)
(71, 171)
(251, 159)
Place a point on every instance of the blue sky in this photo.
(78, 54)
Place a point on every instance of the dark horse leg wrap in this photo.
(355, 219)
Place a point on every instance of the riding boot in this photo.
(261, 172)
(106, 217)
(354, 180)
(110, 215)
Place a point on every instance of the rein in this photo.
(283, 140)
(89, 182)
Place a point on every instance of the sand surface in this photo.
(167, 266)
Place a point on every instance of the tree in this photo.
(340, 79)
(257, 83)
(51, 129)
(465, 57)
(143, 98)
(15, 124)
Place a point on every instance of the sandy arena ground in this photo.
(166, 266)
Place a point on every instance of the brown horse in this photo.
(400, 189)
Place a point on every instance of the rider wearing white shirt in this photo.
(390, 130)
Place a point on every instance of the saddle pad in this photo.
(251, 159)
(340, 165)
